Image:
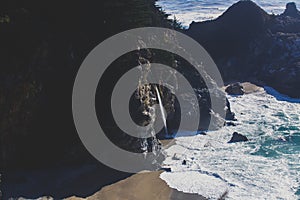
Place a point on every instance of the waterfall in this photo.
(163, 115)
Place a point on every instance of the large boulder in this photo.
(235, 89)
(236, 137)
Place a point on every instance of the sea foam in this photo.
(266, 167)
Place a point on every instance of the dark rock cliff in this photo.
(42, 46)
(249, 44)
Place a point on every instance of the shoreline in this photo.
(266, 102)
(144, 185)
(141, 184)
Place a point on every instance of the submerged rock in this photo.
(208, 144)
(236, 137)
(282, 139)
(230, 124)
(166, 169)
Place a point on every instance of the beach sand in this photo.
(251, 88)
(141, 186)
(93, 182)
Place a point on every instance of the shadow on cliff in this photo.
(249, 44)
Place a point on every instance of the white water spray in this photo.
(163, 115)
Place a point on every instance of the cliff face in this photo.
(232, 31)
(249, 44)
(42, 46)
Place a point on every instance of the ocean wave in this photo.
(265, 167)
(279, 96)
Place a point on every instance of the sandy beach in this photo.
(144, 185)
(148, 185)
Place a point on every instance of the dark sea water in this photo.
(187, 11)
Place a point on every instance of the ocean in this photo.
(187, 11)
(265, 167)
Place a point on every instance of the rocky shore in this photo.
(249, 44)
(39, 145)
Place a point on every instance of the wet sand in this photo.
(141, 186)
(91, 182)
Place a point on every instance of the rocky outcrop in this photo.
(236, 137)
(232, 31)
(249, 44)
(230, 123)
(235, 89)
(42, 48)
(291, 10)
(229, 114)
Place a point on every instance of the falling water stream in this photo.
(163, 115)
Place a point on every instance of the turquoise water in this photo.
(266, 167)
(199, 10)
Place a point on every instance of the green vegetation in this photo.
(4, 19)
